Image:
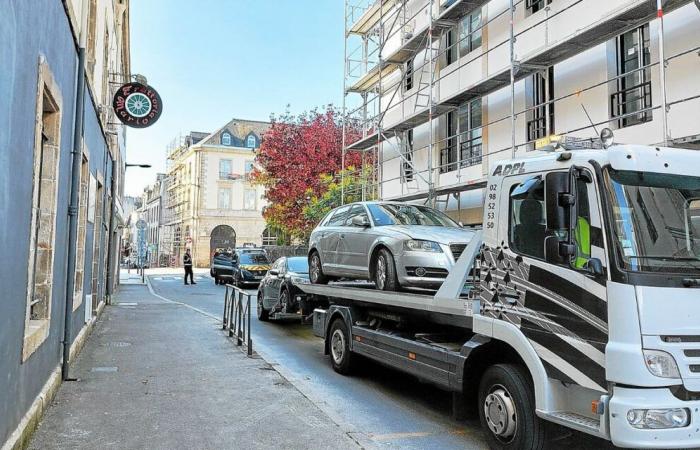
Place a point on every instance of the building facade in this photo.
(152, 213)
(210, 201)
(437, 104)
(49, 113)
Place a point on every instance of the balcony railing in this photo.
(628, 100)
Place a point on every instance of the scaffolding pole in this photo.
(662, 74)
(431, 73)
(512, 79)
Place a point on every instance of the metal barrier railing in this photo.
(237, 316)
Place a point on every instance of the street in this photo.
(376, 406)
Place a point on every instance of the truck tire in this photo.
(507, 409)
(263, 314)
(339, 345)
(316, 269)
(385, 271)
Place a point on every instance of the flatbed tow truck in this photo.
(577, 304)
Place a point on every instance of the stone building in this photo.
(49, 113)
(210, 201)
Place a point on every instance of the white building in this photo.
(432, 91)
(151, 212)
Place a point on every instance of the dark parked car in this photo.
(279, 292)
(249, 267)
(221, 268)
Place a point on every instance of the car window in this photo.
(298, 264)
(254, 258)
(357, 210)
(339, 217)
(405, 214)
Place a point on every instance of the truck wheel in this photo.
(263, 314)
(385, 271)
(316, 269)
(341, 358)
(507, 409)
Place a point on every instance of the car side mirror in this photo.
(595, 267)
(360, 221)
(274, 272)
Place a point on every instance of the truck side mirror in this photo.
(595, 267)
(551, 250)
(558, 200)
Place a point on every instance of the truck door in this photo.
(560, 306)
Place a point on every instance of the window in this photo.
(42, 236)
(96, 247)
(448, 154)
(634, 87)
(338, 217)
(532, 6)
(225, 170)
(82, 229)
(249, 197)
(269, 237)
(357, 210)
(224, 198)
(470, 32)
(527, 219)
(539, 90)
(450, 47)
(251, 142)
(225, 139)
(470, 144)
(408, 76)
(249, 166)
(407, 162)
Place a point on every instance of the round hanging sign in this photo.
(137, 105)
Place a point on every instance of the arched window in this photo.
(251, 141)
(226, 139)
(269, 237)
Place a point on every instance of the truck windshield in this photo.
(403, 214)
(656, 220)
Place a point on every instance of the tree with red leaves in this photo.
(295, 152)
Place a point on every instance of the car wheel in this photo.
(385, 271)
(341, 358)
(316, 269)
(507, 409)
(263, 314)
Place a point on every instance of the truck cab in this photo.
(590, 270)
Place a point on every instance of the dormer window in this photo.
(251, 141)
(226, 139)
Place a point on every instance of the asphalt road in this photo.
(377, 406)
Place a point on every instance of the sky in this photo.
(213, 60)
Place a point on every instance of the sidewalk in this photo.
(158, 375)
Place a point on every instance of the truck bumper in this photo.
(623, 434)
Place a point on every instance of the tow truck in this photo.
(578, 303)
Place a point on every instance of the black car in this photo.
(249, 267)
(279, 294)
(221, 268)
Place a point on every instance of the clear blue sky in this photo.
(212, 60)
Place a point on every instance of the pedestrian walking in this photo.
(187, 262)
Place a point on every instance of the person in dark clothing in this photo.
(187, 262)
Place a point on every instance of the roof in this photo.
(239, 129)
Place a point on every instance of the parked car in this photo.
(249, 267)
(394, 244)
(279, 290)
(221, 267)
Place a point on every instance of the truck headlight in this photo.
(416, 245)
(658, 418)
(661, 364)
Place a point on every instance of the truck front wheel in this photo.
(341, 358)
(507, 409)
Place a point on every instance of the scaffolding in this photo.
(396, 56)
(175, 204)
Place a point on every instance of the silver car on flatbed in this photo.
(394, 244)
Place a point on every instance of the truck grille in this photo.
(686, 351)
(457, 250)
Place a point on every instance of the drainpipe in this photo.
(73, 212)
(110, 237)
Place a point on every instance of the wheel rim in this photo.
(338, 346)
(381, 272)
(499, 410)
(315, 268)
